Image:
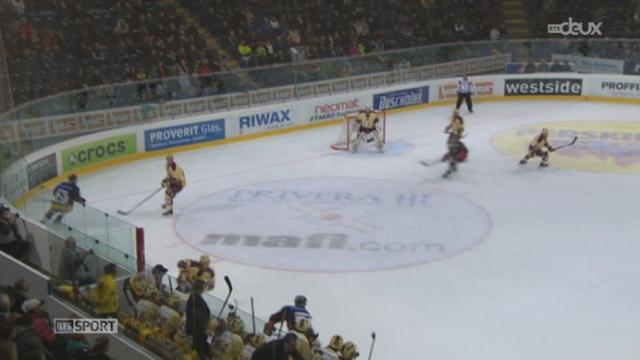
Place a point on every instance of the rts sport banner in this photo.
(162, 138)
(98, 151)
(401, 98)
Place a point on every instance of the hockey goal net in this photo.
(349, 130)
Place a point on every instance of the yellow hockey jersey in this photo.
(539, 143)
(174, 171)
(368, 120)
(456, 126)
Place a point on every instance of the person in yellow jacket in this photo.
(173, 183)
(105, 295)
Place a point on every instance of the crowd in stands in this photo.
(56, 46)
(265, 32)
(26, 331)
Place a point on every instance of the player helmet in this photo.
(73, 178)
(336, 342)
(169, 157)
(349, 351)
(545, 131)
(204, 260)
(300, 300)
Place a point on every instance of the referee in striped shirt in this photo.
(464, 92)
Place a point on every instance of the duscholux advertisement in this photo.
(167, 137)
(401, 98)
(98, 151)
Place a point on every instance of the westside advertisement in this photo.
(401, 98)
(541, 86)
(98, 151)
(42, 170)
(162, 138)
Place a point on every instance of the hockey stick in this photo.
(575, 138)
(430, 163)
(253, 317)
(226, 300)
(127, 212)
(373, 342)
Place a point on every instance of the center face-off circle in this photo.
(611, 146)
(332, 224)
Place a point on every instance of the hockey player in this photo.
(367, 122)
(290, 314)
(64, 195)
(539, 147)
(144, 285)
(457, 151)
(252, 342)
(227, 342)
(330, 352)
(173, 183)
(456, 126)
(301, 331)
(199, 270)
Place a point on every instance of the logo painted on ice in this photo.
(271, 119)
(602, 146)
(332, 225)
(575, 28)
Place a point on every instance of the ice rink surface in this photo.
(498, 262)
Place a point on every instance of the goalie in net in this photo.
(365, 126)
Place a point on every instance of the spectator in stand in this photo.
(105, 294)
(244, 50)
(72, 266)
(542, 66)
(41, 323)
(18, 295)
(99, 349)
(530, 67)
(281, 349)
(28, 343)
(8, 349)
(198, 315)
(556, 67)
(5, 308)
(11, 242)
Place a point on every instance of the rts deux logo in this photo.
(575, 28)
